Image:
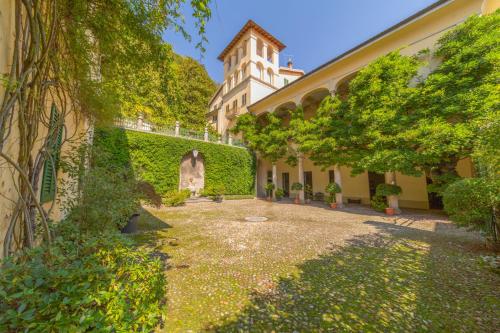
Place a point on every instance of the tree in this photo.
(79, 53)
(266, 136)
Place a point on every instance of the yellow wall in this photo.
(76, 130)
(414, 36)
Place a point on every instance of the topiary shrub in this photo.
(214, 192)
(378, 203)
(470, 202)
(82, 283)
(176, 198)
(332, 189)
(279, 193)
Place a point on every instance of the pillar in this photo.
(392, 200)
(275, 181)
(177, 128)
(338, 180)
(140, 121)
(301, 176)
(230, 140)
(205, 135)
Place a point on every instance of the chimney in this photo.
(290, 63)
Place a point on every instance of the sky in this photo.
(314, 31)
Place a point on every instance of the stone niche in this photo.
(192, 173)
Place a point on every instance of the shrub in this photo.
(176, 198)
(279, 193)
(332, 189)
(156, 159)
(297, 187)
(82, 283)
(378, 203)
(215, 192)
(107, 195)
(471, 201)
(308, 191)
(385, 190)
(148, 193)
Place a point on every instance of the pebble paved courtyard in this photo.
(312, 269)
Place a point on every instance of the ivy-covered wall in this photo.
(156, 159)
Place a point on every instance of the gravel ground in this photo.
(228, 274)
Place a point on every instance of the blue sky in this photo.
(314, 31)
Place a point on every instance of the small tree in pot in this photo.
(279, 194)
(332, 189)
(297, 187)
(269, 191)
(386, 190)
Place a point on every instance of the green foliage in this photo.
(308, 191)
(82, 283)
(269, 187)
(156, 159)
(297, 187)
(176, 198)
(215, 192)
(279, 193)
(266, 136)
(378, 203)
(470, 202)
(333, 188)
(107, 195)
(385, 190)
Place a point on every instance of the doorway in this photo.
(285, 183)
(308, 184)
(435, 200)
(374, 179)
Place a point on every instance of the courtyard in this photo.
(309, 268)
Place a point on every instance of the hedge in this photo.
(156, 159)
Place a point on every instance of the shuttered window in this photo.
(48, 185)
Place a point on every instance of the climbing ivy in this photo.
(156, 159)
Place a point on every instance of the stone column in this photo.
(140, 121)
(338, 180)
(392, 200)
(205, 135)
(230, 140)
(301, 176)
(177, 128)
(275, 181)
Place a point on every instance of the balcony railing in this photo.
(177, 131)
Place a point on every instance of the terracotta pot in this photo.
(390, 211)
(297, 200)
(333, 205)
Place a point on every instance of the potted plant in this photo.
(308, 193)
(385, 191)
(297, 187)
(269, 191)
(332, 189)
(279, 194)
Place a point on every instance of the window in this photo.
(227, 108)
(260, 69)
(48, 185)
(331, 176)
(243, 99)
(269, 54)
(260, 47)
(270, 76)
(236, 78)
(286, 81)
(235, 104)
(214, 119)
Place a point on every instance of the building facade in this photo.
(76, 130)
(251, 72)
(411, 35)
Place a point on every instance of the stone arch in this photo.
(284, 111)
(312, 100)
(192, 172)
(260, 70)
(270, 76)
(342, 87)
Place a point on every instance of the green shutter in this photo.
(48, 185)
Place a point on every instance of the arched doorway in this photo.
(192, 172)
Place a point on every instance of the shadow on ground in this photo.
(399, 280)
